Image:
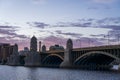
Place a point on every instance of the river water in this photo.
(27, 73)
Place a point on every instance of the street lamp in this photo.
(108, 37)
(90, 41)
(61, 42)
(79, 41)
(118, 35)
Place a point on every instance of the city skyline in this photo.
(53, 22)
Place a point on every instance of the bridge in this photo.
(99, 57)
(52, 58)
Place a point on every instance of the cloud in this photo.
(113, 36)
(79, 23)
(6, 27)
(38, 24)
(86, 24)
(84, 41)
(68, 33)
(112, 24)
(104, 1)
(100, 35)
(113, 27)
(39, 1)
(109, 20)
(52, 40)
(114, 32)
(101, 6)
(10, 32)
(59, 35)
(8, 35)
(108, 23)
(21, 43)
(7, 30)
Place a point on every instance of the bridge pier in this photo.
(67, 63)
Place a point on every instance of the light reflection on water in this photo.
(26, 73)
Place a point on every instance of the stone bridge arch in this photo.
(53, 60)
(83, 59)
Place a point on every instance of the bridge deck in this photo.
(98, 47)
(55, 51)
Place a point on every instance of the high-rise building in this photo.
(14, 57)
(5, 51)
(33, 44)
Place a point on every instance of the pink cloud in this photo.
(52, 40)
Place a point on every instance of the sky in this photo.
(87, 22)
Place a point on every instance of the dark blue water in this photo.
(26, 73)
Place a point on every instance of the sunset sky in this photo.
(54, 21)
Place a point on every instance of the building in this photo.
(5, 51)
(33, 57)
(43, 48)
(14, 57)
(24, 52)
(56, 47)
(33, 44)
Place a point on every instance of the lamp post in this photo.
(79, 41)
(90, 41)
(108, 37)
(61, 42)
(118, 35)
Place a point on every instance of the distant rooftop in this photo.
(4, 44)
(56, 47)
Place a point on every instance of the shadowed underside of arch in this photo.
(95, 58)
(52, 60)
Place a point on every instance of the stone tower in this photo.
(67, 63)
(69, 47)
(69, 44)
(15, 49)
(33, 44)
